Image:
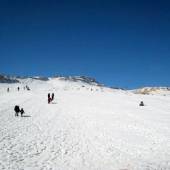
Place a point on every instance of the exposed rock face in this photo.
(118, 88)
(84, 79)
(6, 79)
(41, 78)
(151, 90)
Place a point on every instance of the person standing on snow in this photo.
(52, 98)
(49, 98)
(17, 110)
(22, 112)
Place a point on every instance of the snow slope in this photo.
(86, 128)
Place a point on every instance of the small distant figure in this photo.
(27, 88)
(141, 103)
(52, 97)
(8, 89)
(49, 98)
(48, 95)
(18, 88)
(17, 110)
(22, 112)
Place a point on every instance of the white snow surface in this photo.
(84, 128)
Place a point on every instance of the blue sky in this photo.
(121, 43)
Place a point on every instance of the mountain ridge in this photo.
(84, 79)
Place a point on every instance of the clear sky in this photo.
(123, 43)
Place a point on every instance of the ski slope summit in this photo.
(86, 127)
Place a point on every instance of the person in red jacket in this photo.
(49, 98)
(52, 98)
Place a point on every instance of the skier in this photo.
(8, 89)
(17, 110)
(18, 88)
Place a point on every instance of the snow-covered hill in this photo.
(87, 127)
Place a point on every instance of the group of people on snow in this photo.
(50, 98)
(21, 111)
(17, 110)
(18, 88)
(26, 87)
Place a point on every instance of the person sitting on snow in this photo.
(141, 103)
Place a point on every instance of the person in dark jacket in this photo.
(27, 87)
(49, 98)
(22, 111)
(17, 110)
(52, 98)
(141, 103)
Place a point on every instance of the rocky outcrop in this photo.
(6, 79)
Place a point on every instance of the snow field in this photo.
(83, 129)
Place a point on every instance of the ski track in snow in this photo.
(83, 130)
